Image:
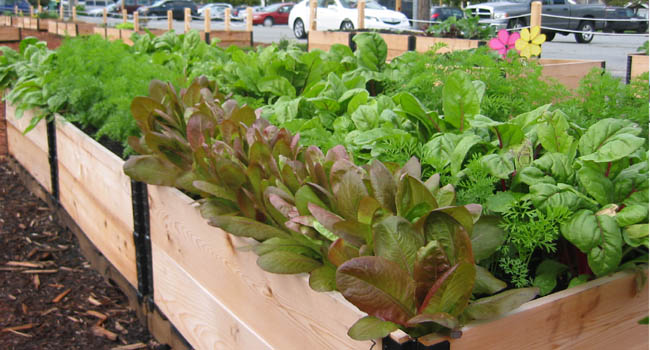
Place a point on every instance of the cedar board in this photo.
(397, 45)
(101, 31)
(9, 34)
(568, 72)
(52, 27)
(113, 34)
(31, 149)
(639, 65)
(424, 43)
(278, 311)
(324, 40)
(97, 195)
(227, 38)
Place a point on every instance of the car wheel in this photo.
(550, 36)
(299, 29)
(347, 25)
(642, 29)
(268, 22)
(585, 38)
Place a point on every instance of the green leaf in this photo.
(396, 240)
(412, 192)
(323, 279)
(499, 165)
(286, 262)
(596, 184)
(500, 202)
(460, 100)
(549, 196)
(532, 175)
(630, 180)
(557, 165)
(554, 134)
(304, 196)
(278, 86)
(632, 214)
(370, 328)
(576, 281)
(509, 135)
(339, 252)
(487, 236)
(486, 283)
(378, 287)
(152, 170)
(365, 117)
(244, 227)
(460, 151)
(609, 140)
(215, 190)
(446, 196)
(546, 276)
(441, 318)
(451, 294)
(636, 235)
(500, 304)
(371, 51)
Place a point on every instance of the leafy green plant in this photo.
(467, 27)
(124, 25)
(643, 48)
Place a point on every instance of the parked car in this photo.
(99, 11)
(441, 13)
(177, 7)
(132, 5)
(216, 10)
(8, 5)
(237, 13)
(633, 21)
(342, 14)
(273, 14)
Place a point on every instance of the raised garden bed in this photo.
(637, 64)
(227, 38)
(568, 71)
(8, 34)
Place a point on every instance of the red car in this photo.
(273, 14)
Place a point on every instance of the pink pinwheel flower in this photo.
(504, 42)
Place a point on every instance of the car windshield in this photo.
(352, 4)
(158, 3)
(270, 8)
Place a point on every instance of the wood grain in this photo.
(31, 149)
(201, 318)
(101, 31)
(601, 314)
(227, 38)
(281, 309)
(97, 195)
(424, 43)
(397, 45)
(113, 34)
(567, 72)
(9, 34)
(324, 40)
(52, 27)
(639, 65)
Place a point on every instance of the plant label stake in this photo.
(249, 19)
(188, 19)
(206, 20)
(136, 21)
(361, 9)
(312, 15)
(170, 23)
(226, 20)
(536, 14)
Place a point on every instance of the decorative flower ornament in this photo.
(530, 43)
(504, 42)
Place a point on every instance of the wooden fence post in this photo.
(136, 21)
(206, 20)
(188, 19)
(125, 16)
(74, 14)
(398, 5)
(40, 8)
(16, 9)
(361, 9)
(31, 11)
(105, 15)
(170, 20)
(536, 14)
(61, 12)
(249, 19)
(226, 20)
(312, 15)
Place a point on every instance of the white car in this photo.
(343, 14)
(216, 10)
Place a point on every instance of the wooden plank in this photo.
(97, 195)
(424, 43)
(52, 27)
(188, 305)
(397, 45)
(85, 28)
(227, 38)
(71, 29)
(639, 64)
(567, 72)
(44, 24)
(9, 34)
(31, 149)
(293, 317)
(101, 31)
(112, 34)
(324, 40)
(601, 314)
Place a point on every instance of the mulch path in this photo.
(50, 297)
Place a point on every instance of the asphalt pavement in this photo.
(613, 49)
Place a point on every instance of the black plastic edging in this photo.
(252, 43)
(139, 201)
(53, 159)
(351, 44)
(628, 70)
(389, 344)
(411, 43)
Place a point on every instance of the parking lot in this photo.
(612, 49)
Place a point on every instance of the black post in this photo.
(139, 201)
(52, 158)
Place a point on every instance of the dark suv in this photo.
(177, 7)
(441, 13)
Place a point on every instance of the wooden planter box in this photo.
(101, 31)
(27, 23)
(5, 21)
(113, 34)
(227, 38)
(44, 24)
(9, 34)
(324, 40)
(637, 64)
(568, 72)
(85, 28)
(424, 43)
(52, 26)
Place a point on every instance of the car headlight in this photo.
(500, 15)
(370, 18)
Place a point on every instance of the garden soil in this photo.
(50, 297)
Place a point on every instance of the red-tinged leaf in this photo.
(442, 318)
(215, 190)
(246, 202)
(152, 170)
(200, 128)
(446, 195)
(287, 209)
(158, 89)
(430, 263)
(336, 153)
(475, 210)
(502, 303)
(244, 115)
(304, 196)
(231, 173)
(434, 289)
(255, 175)
(433, 183)
(396, 240)
(412, 168)
(348, 194)
(367, 209)
(290, 179)
(143, 111)
(453, 294)
(370, 328)
(354, 232)
(295, 145)
(323, 279)
(228, 130)
(339, 252)
(411, 192)
(384, 187)
(449, 233)
(281, 148)
(244, 227)
(214, 207)
(191, 95)
(378, 287)
(324, 216)
(306, 220)
(138, 146)
(287, 262)
(339, 170)
(461, 214)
